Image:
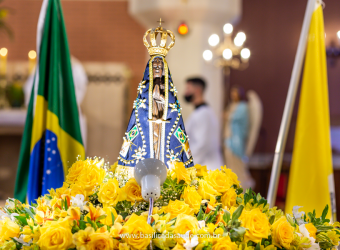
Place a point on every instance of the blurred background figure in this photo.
(242, 123)
(202, 127)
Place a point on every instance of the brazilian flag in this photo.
(52, 138)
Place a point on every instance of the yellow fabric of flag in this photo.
(311, 182)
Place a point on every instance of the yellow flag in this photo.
(311, 182)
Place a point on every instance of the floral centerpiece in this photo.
(98, 207)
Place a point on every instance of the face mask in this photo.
(188, 98)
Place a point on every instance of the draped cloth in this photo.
(143, 127)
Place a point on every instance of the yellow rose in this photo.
(192, 198)
(78, 189)
(100, 241)
(178, 207)
(139, 230)
(8, 229)
(109, 192)
(55, 235)
(75, 170)
(201, 170)
(219, 231)
(82, 237)
(59, 192)
(133, 191)
(115, 244)
(282, 233)
(229, 198)
(185, 223)
(180, 172)
(311, 229)
(91, 177)
(206, 190)
(108, 219)
(219, 180)
(257, 224)
(224, 244)
(232, 176)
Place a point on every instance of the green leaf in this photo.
(22, 220)
(272, 219)
(237, 213)
(324, 213)
(311, 217)
(258, 246)
(246, 198)
(200, 214)
(250, 243)
(101, 217)
(92, 223)
(82, 224)
(29, 212)
(239, 200)
(239, 191)
(66, 207)
(226, 216)
(238, 232)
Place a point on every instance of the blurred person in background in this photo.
(202, 127)
(240, 134)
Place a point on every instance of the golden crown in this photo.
(160, 49)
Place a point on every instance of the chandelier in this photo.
(230, 53)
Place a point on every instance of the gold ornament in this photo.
(160, 49)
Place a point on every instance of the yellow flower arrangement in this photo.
(282, 233)
(109, 192)
(197, 210)
(100, 241)
(180, 172)
(201, 170)
(225, 243)
(55, 235)
(192, 198)
(133, 191)
(8, 229)
(231, 175)
(90, 177)
(219, 180)
(75, 170)
(109, 211)
(257, 224)
(82, 237)
(139, 230)
(311, 229)
(206, 190)
(229, 198)
(185, 223)
(178, 207)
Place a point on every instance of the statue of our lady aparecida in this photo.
(156, 128)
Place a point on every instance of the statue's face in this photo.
(157, 66)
